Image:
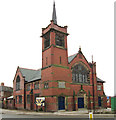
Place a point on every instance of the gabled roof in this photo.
(70, 58)
(30, 75)
(99, 80)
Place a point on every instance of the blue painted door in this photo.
(61, 103)
(80, 102)
(99, 101)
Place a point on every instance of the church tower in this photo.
(54, 43)
(55, 71)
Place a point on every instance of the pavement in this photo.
(5, 111)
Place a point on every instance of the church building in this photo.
(67, 82)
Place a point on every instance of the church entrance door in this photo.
(81, 102)
(99, 101)
(61, 103)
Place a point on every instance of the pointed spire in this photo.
(54, 18)
(92, 58)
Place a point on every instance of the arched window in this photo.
(18, 83)
(80, 74)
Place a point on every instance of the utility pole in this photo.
(93, 84)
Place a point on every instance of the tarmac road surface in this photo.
(54, 117)
(24, 115)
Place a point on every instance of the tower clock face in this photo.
(59, 39)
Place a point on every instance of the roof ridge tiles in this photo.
(30, 74)
(30, 69)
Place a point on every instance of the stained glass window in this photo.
(80, 74)
(18, 83)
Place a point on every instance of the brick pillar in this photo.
(2, 84)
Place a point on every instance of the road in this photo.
(13, 116)
(7, 114)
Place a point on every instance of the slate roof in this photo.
(31, 75)
(70, 58)
(99, 80)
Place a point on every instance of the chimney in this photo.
(2, 84)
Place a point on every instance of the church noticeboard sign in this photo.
(61, 84)
(40, 101)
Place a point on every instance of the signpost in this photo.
(40, 102)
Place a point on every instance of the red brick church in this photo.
(67, 82)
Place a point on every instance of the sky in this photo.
(90, 25)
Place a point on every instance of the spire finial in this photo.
(54, 18)
(79, 48)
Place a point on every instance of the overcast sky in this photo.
(90, 25)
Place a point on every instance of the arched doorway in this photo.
(82, 98)
(61, 103)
